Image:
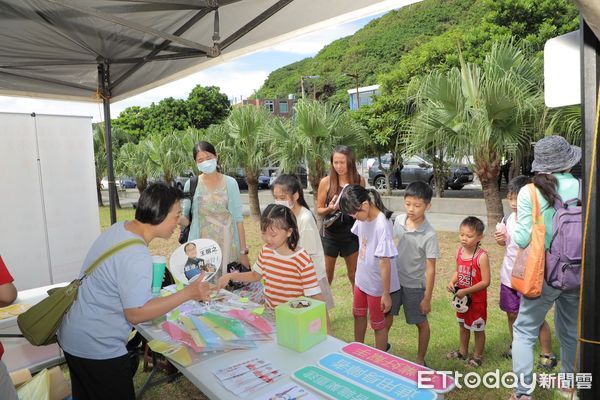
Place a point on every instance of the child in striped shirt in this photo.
(286, 269)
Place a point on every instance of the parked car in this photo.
(415, 169)
(240, 176)
(127, 183)
(300, 173)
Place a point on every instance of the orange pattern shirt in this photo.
(286, 277)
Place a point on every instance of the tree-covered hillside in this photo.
(420, 37)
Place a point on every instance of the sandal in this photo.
(456, 355)
(474, 362)
(548, 362)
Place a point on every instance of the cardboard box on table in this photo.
(301, 328)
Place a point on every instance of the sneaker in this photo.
(547, 362)
(388, 348)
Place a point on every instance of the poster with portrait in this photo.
(191, 258)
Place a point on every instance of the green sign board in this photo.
(331, 385)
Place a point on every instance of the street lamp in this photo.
(302, 81)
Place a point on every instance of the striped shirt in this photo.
(286, 277)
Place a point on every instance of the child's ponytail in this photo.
(379, 203)
(354, 195)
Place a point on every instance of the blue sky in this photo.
(236, 78)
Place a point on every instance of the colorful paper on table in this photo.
(376, 380)
(258, 311)
(13, 310)
(174, 352)
(131, 334)
(223, 333)
(252, 319)
(440, 383)
(289, 392)
(189, 325)
(209, 336)
(176, 333)
(174, 315)
(247, 376)
(244, 300)
(232, 325)
(332, 386)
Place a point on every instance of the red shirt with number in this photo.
(469, 273)
(5, 277)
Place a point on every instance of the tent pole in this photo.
(590, 300)
(104, 81)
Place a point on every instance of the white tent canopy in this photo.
(108, 50)
(55, 48)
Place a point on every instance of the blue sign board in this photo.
(373, 378)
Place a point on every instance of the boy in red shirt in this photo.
(471, 278)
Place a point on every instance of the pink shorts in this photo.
(363, 303)
(475, 317)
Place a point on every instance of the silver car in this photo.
(416, 169)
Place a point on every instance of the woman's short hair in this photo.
(156, 202)
(203, 146)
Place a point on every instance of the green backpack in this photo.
(40, 323)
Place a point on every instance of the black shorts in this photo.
(342, 246)
(101, 379)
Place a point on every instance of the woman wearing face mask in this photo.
(216, 208)
(288, 192)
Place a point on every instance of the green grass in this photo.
(403, 337)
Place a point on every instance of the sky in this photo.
(237, 78)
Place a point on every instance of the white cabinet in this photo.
(48, 205)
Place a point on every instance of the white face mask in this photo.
(208, 166)
(283, 203)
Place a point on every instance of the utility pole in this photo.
(302, 84)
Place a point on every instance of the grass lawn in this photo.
(444, 328)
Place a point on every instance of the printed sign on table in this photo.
(331, 386)
(440, 383)
(373, 378)
(191, 258)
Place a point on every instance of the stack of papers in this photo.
(247, 376)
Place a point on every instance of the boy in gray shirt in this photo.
(417, 252)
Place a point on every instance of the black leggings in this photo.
(101, 379)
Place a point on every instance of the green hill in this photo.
(419, 37)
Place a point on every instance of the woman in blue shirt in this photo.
(553, 159)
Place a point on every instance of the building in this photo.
(279, 107)
(365, 95)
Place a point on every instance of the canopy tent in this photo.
(108, 50)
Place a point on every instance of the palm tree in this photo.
(166, 155)
(133, 161)
(240, 142)
(314, 131)
(483, 112)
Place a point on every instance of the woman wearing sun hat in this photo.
(553, 160)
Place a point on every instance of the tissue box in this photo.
(300, 328)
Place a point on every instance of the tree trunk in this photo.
(314, 176)
(388, 182)
(99, 193)
(253, 201)
(488, 176)
(141, 184)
